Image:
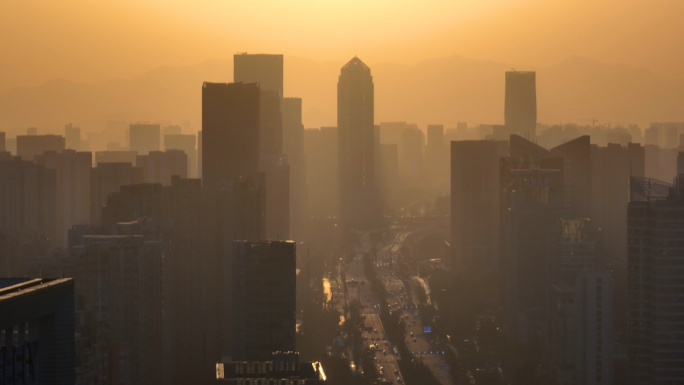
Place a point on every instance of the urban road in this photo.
(421, 344)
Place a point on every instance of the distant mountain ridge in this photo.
(443, 90)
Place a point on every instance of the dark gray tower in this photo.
(521, 103)
(267, 70)
(355, 115)
(230, 129)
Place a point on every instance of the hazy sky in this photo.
(92, 41)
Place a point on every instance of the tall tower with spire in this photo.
(355, 119)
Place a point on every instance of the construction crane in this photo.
(592, 120)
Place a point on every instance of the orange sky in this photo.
(92, 41)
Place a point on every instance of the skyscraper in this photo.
(655, 219)
(355, 125)
(145, 138)
(72, 171)
(520, 112)
(293, 148)
(230, 129)
(72, 135)
(159, 167)
(29, 146)
(108, 178)
(263, 298)
(187, 143)
(265, 69)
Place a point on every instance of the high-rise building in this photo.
(355, 125)
(145, 138)
(263, 298)
(115, 157)
(172, 129)
(133, 202)
(186, 143)
(72, 137)
(531, 199)
(265, 69)
(436, 159)
(28, 203)
(655, 217)
(230, 123)
(72, 173)
(521, 103)
(159, 167)
(411, 155)
(42, 350)
(582, 329)
(2, 142)
(322, 168)
(475, 205)
(293, 148)
(119, 285)
(199, 154)
(28, 146)
(108, 178)
(576, 156)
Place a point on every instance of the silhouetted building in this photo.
(159, 167)
(199, 154)
(72, 174)
(576, 156)
(282, 368)
(521, 103)
(411, 158)
(43, 350)
(582, 329)
(119, 285)
(28, 203)
(28, 146)
(355, 121)
(108, 178)
(132, 202)
(263, 298)
(436, 159)
(115, 157)
(293, 148)
(655, 213)
(145, 138)
(475, 205)
(72, 137)
(2, 142)
(230, 123)
(322, 169)
(265, 69)
(187, 144)
(531, 199)
(172, 129)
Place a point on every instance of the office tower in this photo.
(474, 205)
(171, 130)
(119, 286)
(355, 120)
(2, 142)
(293, 147)
(267, 70)
(133, 202)
(108, 178)
(72, 137)
(199, 154)
(230, 122)
(436, 162)
(282, 367)
(159, 167)
(576, 156)
(115, 157)
(411, 154)
(520, 112)
(655, 213)
(263, 298)
(531, 201)
(582, 329)
(611, 168)
(28, 203)
(72, 174)
(42, 312)
(144, 138)
(187, 144)
(184, 268)
(322, 168)
(29, 146)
